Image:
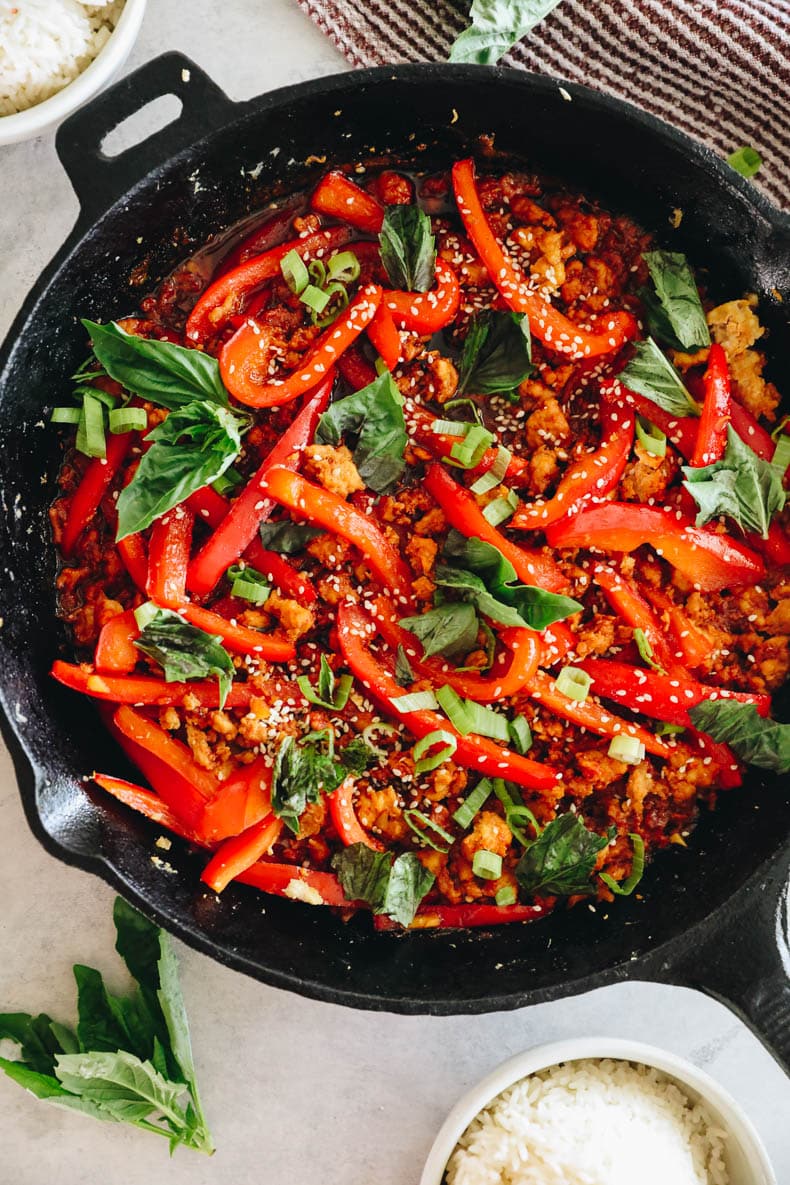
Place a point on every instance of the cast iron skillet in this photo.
(713, 916)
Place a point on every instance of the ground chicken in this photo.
(598, 768)
(735, 326)
(547, 423)
(543, 469)
(312, 818)
(379, 810)
(490, 833)
(749, 387)
(199, 744)
(421, 553)
(333, 467)
(596, 637)
(294, 618)
(330, 550)
(640, 784)
(443, 382)
(643, 480)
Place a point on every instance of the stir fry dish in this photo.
(424, 548)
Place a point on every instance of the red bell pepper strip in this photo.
(224, 298)
(269, 234)
(356, 369)
(591, 476)
(243, 799)
(148, 735)
(338, 197)
(628, 602)
(691, 645)
(240, 359)
(546, 323)
(134, 556)
(145, 689)
(459, 917)
(288, 579)
(776, 547)
(751, 431)
(208, 506)
(168, 557)
(240, 851)
(145, 802)
(384, 337)
(729, 766)
(245, 513)
(557, 641)
(300, 884)
(681, 431)
(355, 630)
(659, 696)
(347, 825)
(239, 639)
(591, 715)
(115, 650)
(95, 481)
(426, 312)
(505, 679)
(328, 510)
(716, 410)
(463, 513)
(711, 561)
(440, 445)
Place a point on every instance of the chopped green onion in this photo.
(505, 896)
(315, 299)
(520, 734)
(378, 726)
(780, 428)
(104, 397)
(90, 429)
(332, 694)
(781, 457)
(487, 865)
(456, 709)
(651, 438)
(466, 812)
(469, 452)
(128, 419)
(574, 682)
(423, 764)
(429, 825)
(343, 266)
(416, 701)
(627, 749)
(144, 614)
(494, 476)
(249, 584)
(501, 509)
(228, 481)
(316, 269)
(66, 415)
(664, 729)
(450, 428)
(625, 888)
(338, 300)
(645, 649)
(486, 722)
(746, 161)
(294, 272)
(517, 814)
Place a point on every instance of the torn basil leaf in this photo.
(286, 537)
(408, 248)
(391, 887)
(674, 309)
(495, 27)
(651, 374)
(560, 862)
(757, 741)
(161, 372)
(741, 486)
(375, 416)
(186, 652)
(448, 629)
(497, 353)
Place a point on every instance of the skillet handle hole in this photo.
(143, 124)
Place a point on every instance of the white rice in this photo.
(46, 44)
(591, 1123)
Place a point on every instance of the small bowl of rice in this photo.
(55, 55)
(597, 1111)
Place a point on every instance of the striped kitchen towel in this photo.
(718, 69)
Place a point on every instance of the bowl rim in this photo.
(541, 1057)
(32, 121)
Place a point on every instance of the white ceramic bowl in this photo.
(746, 1158)
(24, 125)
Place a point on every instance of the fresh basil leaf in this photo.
(36, 1036)
(302, 773)
(286, 537)
(192, 447)
(179, 1044)
(449, 629)
(408, 248)
(130, 1089)
(650, 373)
(394, 888)
(330, 693)
(741, 485)
(560, 862)
(676, 313)
(46, 1087)
(101, 1025)
(496, 26)
(356, 756)
(404, 675)
(757, 741)
(375, 416)
(474, 591)
(497, 353)
(161, 372)
(185, 652)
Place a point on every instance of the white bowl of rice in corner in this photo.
(57, 54)
(597, 1111)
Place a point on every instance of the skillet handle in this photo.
(742, 958)
(98, 179)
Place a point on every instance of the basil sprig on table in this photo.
(497, 353)
(197, 442)
(375, 415)
(674, 309)
(741, 486)
(408, 248)
(560, 862)
(496, 26)
(650, 373)
(186, 652)
(391, 887)
(757, 741)
(305, 769)
(130, 1058)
